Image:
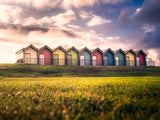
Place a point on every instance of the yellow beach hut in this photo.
(130, 58)
(59, 55)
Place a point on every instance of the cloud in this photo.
(22, 29)
(78, 3)
(97, 20)
(124, 19)
(67, 4)
(37, 4)
(114, 1)
(10, 14)
(149, 12)
(57, 20)
(151, 39)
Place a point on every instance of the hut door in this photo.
(27, 58)
(56, 59)
(81, 60)
(117, 61)
(106, 60)
(94, 60)
(41, 59)
(69, 59)
(138, 61)
(128, 60)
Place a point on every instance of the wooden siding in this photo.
(61, 54)
(121, 58)
(131, 61)
(109, 58)
(74, 55)
(33, 56)
(87, 57)
(47, 56)
(98, 57)
(141, 59)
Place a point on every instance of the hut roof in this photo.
(140, 51)
(97, 49)
(45, 47)
(83, 49)
(29, 46)
(73, 48)
(59, 47)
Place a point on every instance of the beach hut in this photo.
(141, 58)
(109, 58)
(85, 57)
(45, 55)
(130, 58)
(72, 56)
(120, 57)
(97, 57)
(27, 55)
(59, 56)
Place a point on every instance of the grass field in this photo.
(25, 70)
(35, 92)
(78, 98)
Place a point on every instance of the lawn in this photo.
(26, 70)
(78, 98)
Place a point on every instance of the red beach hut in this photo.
(45, 55)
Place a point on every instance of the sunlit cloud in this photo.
(92, 23)
(96, 20)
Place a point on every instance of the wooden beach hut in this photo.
(141, 58)
(120, 57)
(130, 58)
(109, 58)
(28, 55)
(59, 56)
(72, 56)
(85, 57)
(45, 55)
(97, 57)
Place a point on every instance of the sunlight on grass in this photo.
(80, 98)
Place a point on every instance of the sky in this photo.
(115, 24)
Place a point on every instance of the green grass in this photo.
(25, 70)
(78, 98)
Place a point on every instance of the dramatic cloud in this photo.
(96, 20)
(152, 39)
(114, 1)
(78, 3)
(105, 24)
(149, 12)
(38, 4)
(124, 19)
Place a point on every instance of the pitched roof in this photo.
(83, 49)
(29, 46)
(131, 51)
(45, 47)
(108, 50)
(97, 49)
(119, 50)
(73, 48)
(59, 47)
(140, 51)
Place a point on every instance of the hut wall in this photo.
(47, 56)
(141, 59)
(109, 59)
(131, 61)
(61, 54)
(98, 57)
(30, 56)
(74, 55)
(121, 58)
(87, 57)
